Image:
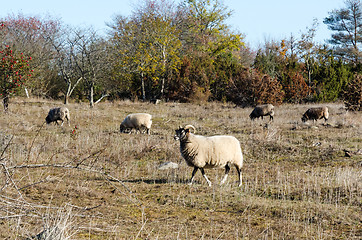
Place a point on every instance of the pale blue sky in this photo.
(259, 20)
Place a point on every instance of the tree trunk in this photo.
(162, 87)
(91, 93)
(70, 88)
(67, 94)
(6, 103)
(26, 92)
(163, 75)
(143, 88)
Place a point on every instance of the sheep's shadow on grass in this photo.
(177, 181)
(168, 181)
(160, 181)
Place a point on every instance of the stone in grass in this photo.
(168, 165)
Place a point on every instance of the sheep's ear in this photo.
(187, 130)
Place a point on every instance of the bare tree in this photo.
(91, 57)
(307, 49)
(64, 44)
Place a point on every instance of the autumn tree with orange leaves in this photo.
(250, 87)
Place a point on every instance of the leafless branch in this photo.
(6, 171)
(100, 99)
(32, 142)
(6, 147)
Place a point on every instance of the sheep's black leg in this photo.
(204, 175)
(227, 169)
(240, 176)
(193, 175)
(144, 130)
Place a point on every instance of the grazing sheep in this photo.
(315, 114)
(208, 152)
(58, 113)
(262, 110)
(136, 121)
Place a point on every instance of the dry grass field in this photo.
(92, 182)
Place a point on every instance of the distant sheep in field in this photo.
(315, 114)
(208, 152)
(58, 113)
(136, 121)
(262, 110)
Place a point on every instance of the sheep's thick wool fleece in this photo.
(137, 119)
(208, 152)
(55, 113)
(316, 113)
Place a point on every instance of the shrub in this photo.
(353, 94)
(191, 82)
(330, 79)
(250, 87)
(295, 87)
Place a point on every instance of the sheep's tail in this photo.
(326, 113)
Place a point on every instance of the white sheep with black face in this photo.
(138, 121)
(315, 114)
(209, 152)
(263, 110)
(58, 113)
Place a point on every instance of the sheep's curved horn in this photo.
(190, 126)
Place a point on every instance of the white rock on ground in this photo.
(168, 165)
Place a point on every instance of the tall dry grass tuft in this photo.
(88, 181)
(59, 226)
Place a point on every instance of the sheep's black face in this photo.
(180, 133)
(47, 119)
(122, 128)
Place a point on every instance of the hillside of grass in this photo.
(88, 181)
